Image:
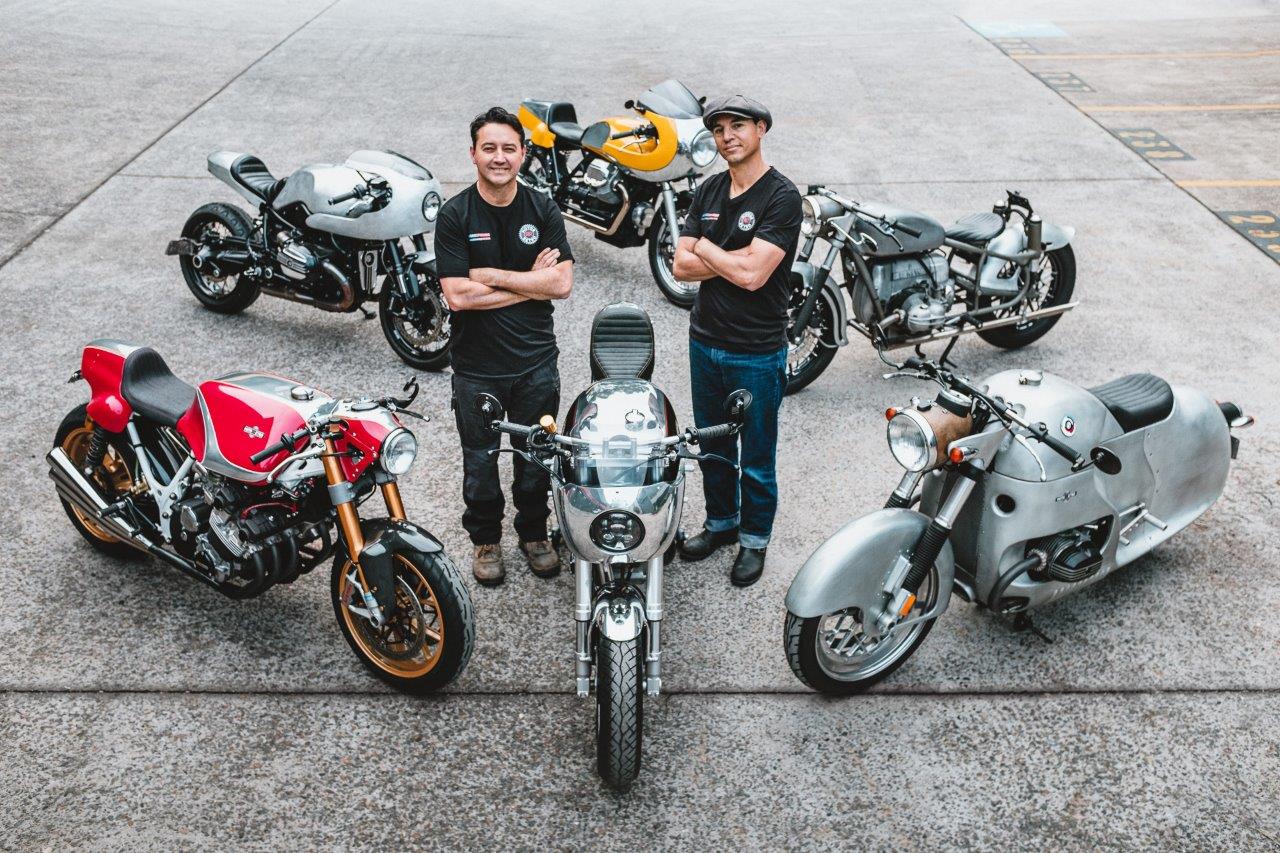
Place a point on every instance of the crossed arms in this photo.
(698, 259)
(486, 288)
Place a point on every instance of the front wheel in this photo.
(1057, 281)
(428, 638)
(419, 332)
(662, 258)
(217, 226)
(812, 354)
(831, 654)
(619, 709)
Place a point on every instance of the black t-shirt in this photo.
(724, 315)
(471, 233)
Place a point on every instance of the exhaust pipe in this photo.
(346, 303)
(75, 489)
(951, 332)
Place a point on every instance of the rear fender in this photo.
(806, 274)
(853, 567)
(384, 539)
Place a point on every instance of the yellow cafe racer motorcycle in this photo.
(618, 177)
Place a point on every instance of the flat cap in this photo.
(735, 105)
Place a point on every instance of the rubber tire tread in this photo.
(246, 292)
(435, 362)
(620, 710)
(798, 639)
(656, 266)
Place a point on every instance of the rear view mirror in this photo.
(736, 405)
(488, 406)
(1107, 462)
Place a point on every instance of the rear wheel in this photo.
(212, 226)
(813, 353)
(1057, 281)
(113, 476)
(619, 709)
(662, 258)
(419, 333)
(831, 654)
(427, 641)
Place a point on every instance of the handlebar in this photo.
(697, 436)
(640, 130)
(356, 192)
(853, 206)
(286, 442)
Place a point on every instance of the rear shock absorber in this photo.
(97, 450)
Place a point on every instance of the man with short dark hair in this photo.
(739, 240)
(503, 256)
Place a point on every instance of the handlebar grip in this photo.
(514, 429)
(1062, 449)
(713, 432)
(339, 199)
(286, 442)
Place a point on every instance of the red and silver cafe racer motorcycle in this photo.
(240, 484)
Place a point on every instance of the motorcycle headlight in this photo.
(912, 441)
(703, 149)
(399, 449)
(810, 217)
(431, 206)
(617, 531)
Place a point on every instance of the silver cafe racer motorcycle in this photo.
(330, 236)
(247, 482)
(618, 488)
(1030, 488)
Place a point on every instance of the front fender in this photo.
(852, 567)
(384, 539)
(806, 273)
(1056, 236)
(620, 615)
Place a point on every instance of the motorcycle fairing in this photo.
(852, 568)
(102, 366)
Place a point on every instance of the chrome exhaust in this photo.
(346, 303)
(75, 489)
(954, 331)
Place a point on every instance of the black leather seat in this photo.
(1136, 400)
(567, 131)
(150, 387)
(252, 174)
(621, 343)
(976, 227)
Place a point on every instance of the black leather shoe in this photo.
(748, 566)
(705, 544)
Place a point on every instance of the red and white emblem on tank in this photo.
(253, 432)
(746, 221)
(528, 234)
(1068, 426)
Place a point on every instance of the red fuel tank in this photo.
(236, 416)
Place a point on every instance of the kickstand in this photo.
(1022, 622)
(368, 315)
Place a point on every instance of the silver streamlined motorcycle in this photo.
(323, 236)
(618, 488)
(1033, 488)
(1006, 275)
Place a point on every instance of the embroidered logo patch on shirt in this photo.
(478, 236)
(746, 221)
(710, 217)
(528, 234)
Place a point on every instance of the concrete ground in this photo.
(141, 710)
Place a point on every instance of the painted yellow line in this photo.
(1262, 182)
(1207, 54)
(1181, 108)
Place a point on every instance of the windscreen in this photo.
(389, 160)
(670, 98)
(620, 462)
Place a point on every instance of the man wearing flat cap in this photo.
(739, 240)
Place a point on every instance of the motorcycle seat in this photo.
(148, 385)
(1136, 400)
(568, 131)
(976, 227)
(252, 174)
(621, 343)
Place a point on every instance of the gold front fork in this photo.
(348, 519)
(395, 506)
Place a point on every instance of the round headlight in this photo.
(431, 206)
(703, 149)
(399, 449)
(617, 531)
(912, 442)
(808, 217)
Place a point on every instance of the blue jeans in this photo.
(747, 501)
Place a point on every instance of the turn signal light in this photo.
(907, 605)
(890, 413)
(957, 455)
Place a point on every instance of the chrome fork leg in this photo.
(582, 572)
(653, 616)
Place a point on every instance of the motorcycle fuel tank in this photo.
(931, 232)
(236, 416)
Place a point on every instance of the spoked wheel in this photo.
(662, 258)
(619, 710)
(113, 476)
(832, 654)
(1057, 271)
(812, 354)
(419, 333)
(427, 639)
(212, 227)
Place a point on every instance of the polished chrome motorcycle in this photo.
(618, 488)
(324, 236)
(1033, 488)
(1006, 275)
(622, 184)
(240, 484)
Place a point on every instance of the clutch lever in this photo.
(529, 457)
(684, 453)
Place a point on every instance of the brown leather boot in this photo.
(487, 565)
(544, 561)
